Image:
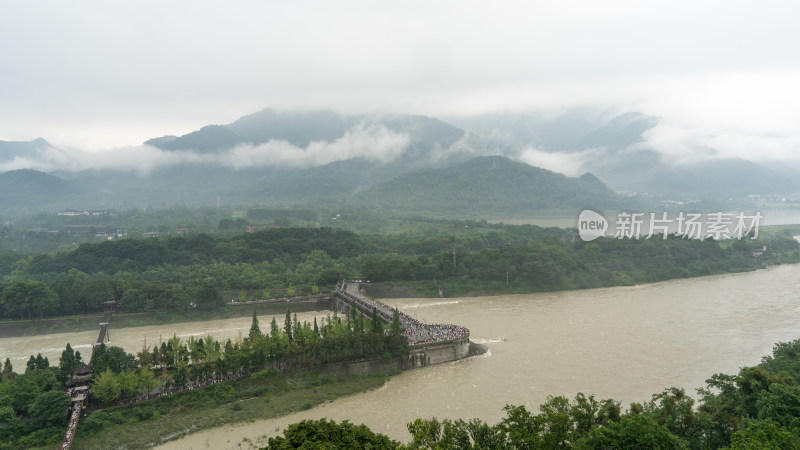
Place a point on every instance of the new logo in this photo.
(591, 225)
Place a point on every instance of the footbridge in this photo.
(79, 382)
(430, 343)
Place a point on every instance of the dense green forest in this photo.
(192, 270)
(50, 233)
(493, 186)
(455, 186)
(756, 409)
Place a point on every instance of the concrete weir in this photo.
(436, 353)
(430, 343)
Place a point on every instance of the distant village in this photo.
(111, 233)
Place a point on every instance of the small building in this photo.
(255, 228)
(81, 376)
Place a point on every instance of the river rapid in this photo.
(625, 343)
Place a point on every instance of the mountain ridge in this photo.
(338, 157)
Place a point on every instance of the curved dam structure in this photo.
(430, 343)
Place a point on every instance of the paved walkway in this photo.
(417, 333)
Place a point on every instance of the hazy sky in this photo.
(104, 74)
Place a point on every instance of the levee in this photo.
(430, 343)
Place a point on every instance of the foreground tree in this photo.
(69, 361)
(764, 435)
(632, 432)
(50, 408)
(325, 434)
(106, 387)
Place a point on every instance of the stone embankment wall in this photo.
(420, 356)
(295, 304)
(437, 353)
(368, 367)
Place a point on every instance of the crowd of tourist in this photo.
(366, 304)
(73, 422)
(426, 333)
(76, 391)
(415, 331)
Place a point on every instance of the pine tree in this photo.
(273, 328)
(67, 361)
(295, 327)
(255, 331)
(287, 325)
(397, 326)
(145, 358)
(8, 370)
(360, 323)
(377, 326)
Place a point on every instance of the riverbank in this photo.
(264, 395)
(630, 276)
(620, 273)
(625, 343)
(448, 288)
(89, 322)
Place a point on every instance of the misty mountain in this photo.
(615, 148)
(211, 138)
(574, 130)
(26, 191)
(712, 179)
(18, 149)
(300, 128)
(491, 186)
(288, 158)
(565, 132)
(488, 187)
(594, 183)
(620, 132)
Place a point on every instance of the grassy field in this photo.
(262, 396)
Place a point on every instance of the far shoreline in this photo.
(15, 328)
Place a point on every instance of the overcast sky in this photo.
(104, 74)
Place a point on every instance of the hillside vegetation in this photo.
(182, 271)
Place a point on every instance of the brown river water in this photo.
(625, 343)
(132, 339)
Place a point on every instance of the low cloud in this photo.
(374, 142)
(570, 164)
(689, 144)
(140, 159)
